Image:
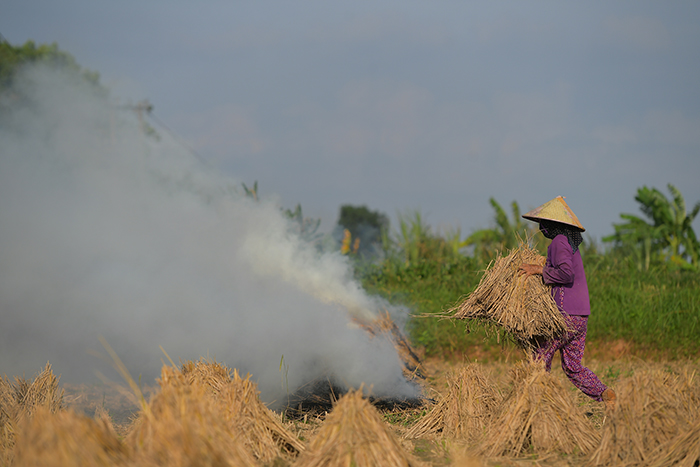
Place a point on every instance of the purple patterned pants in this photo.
(571, 346)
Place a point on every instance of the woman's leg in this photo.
(572, 355)
(546, 350)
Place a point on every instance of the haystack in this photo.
(355, 435)
(540, 414)
(260, 429)
(207, 372)
(465, 409)
(19, 401)
(183, 425)
(682, 451)
(66, 438)
(652, 411)
(521, 305)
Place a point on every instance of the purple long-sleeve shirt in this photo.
(564, 272)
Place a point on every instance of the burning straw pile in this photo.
(521, 305)
(321, 394)
(538, 413)
(465, 410)
(354, 434)
(385, 326)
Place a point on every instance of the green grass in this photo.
(657, 312)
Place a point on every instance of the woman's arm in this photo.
(559, 268)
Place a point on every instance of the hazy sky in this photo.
(404, 105)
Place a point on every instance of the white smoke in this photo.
(107, 231)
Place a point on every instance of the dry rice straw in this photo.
(354, 434)
(655, 408)
(538, 414)
(521, 305)
(464, 411)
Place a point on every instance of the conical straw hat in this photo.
(555, 210)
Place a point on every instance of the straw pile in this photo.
(207, 372)
(682, 451)
(66, 438)
(20, 400)
(237, 405)
(260, 429)
(464, 411)
(354, 435)
(539, 413)
(522, 306)
(182, 425)
(655, 407)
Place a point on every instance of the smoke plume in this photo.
(108, 231)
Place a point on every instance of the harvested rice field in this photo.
(506, 413)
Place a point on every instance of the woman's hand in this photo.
(530, 269)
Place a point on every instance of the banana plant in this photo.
(667, 231)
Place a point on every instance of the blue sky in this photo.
(434, 106)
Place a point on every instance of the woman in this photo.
(563, 270)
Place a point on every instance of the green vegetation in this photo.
(667, 236)
(657, 310)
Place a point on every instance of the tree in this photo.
(667, 233)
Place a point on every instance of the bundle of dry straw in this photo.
(238, 406)
(260, 428)
(682, 451)
(183, 425)
(466, 408)
(538, 413)
(655, 409)
(66, 438)
(19, 401)
(354, 434)
(521, 305)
